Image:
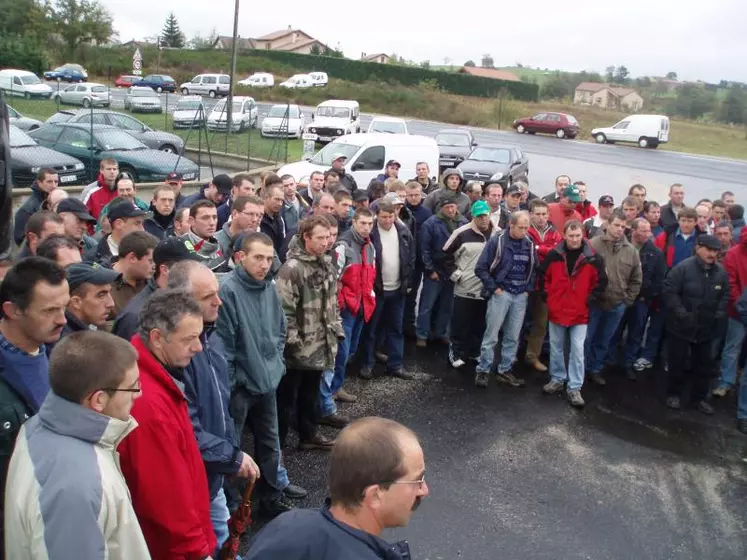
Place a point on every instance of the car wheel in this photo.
(211, 93)
(185, 91)
(159, 89)
(520, 129)
(560, 133)
(643, 142)
(168, 148)
(86, 103)
(600, 138)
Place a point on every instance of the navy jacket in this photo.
(125, 325)
(419, 214)
(30, 206)
(496, 259)
(310, 534)
(433, 236)
(654, 269)
(406, 257)
(207, 394)
(158, 225)
(188, 201)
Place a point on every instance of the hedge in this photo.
(22, 53)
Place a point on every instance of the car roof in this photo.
(142, 88)
(189, 98)
(85, 126)
(359, 139)
(14, 72)
(240, 98)
(338, 103)
(454, 131)
(284, 105)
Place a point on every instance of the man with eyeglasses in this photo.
(376, 480)
(69, 451)
(246, 215)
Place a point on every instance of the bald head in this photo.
(201, 283)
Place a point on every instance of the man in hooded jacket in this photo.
(453, 181)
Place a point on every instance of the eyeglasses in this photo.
(419, 482)
(136, 389)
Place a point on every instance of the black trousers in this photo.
(298, 393)
(701, 366)
(467, 327)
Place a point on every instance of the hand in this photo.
(249, 468)
(434, 276)
(498, 291)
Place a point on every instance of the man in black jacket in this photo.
(46, 181)
(272, 224)
(346, 179)
(696, 293)
(671, 210)
(163, 209)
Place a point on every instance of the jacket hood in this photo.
(448, 173)
(298, 251)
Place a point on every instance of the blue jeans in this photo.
(653, 335)
(505, 311)
(636, 316)
(219, 517)
(388, 318)
(437, 296)
(352, 325)
(733, 344)
(742, 403)
(575, 373)
(599, 334)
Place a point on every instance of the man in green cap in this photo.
(564, 210)
(462, 250)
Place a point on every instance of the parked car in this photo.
(299, 81)
(27, 158)
(155, 139)
(157, 82)
(244, 115)
(93, 143)
(561, 125)
(454, 146)
(334, 118)
(388, 125)
(126, 80)
(189, 112)
(23, 83)
(648, 131)
(24, 123)
(142, 99)
(67, 73)
(286, 121)
(319, 79)
(212, 85)
(89, 94)
(259, 79)
(495, 162)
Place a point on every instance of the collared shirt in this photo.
(123, 292)
(113, 247)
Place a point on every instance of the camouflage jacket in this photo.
(308, 290)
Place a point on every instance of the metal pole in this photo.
(229, 117)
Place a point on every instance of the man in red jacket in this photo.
(162, 464)
(564, 210)
(104, 190)
(570, 275)
(545, 238)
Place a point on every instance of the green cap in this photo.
(480, 208)
(447, 197)
(572, 192)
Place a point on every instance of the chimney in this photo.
(363, 55)
(289, 28)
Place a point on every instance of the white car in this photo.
(388, 125)
(299, 81)
(648, 131)
(212, 85)
(319, 79)
(245, 115)
(259, 79)
(142, 99)
(286, 121)
(189, 112)
(23, 84)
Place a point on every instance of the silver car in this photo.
(143, 99)
(24, 123)
(87, 94)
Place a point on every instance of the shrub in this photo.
(23, 53)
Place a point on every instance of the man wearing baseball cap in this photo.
(124, 218)
(91, 299)
(346, 180)
(76, 219)
(175, 180)
(512, 198)
(391, 171)
(593, 225)
(565, 209)
(216, 191)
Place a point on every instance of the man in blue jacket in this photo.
(507, 267)
(206, 390)
(414, 203)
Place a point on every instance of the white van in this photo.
(298, 81)
(211, 85)
(334, 118)
(319, 79)
(368, 153)
(258, 79)
(648, 131)
(23, 83)
(244, 116)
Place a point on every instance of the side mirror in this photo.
(312, 115)
(474, 144)
(357, 166)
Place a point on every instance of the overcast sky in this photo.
(705, 40)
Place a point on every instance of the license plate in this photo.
(68, 178)
(306, 135)
(326, 138)
(189, 176)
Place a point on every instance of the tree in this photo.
(82, 21)
(621, 75)
(487, 61)
(557, 87)
(693, 101)
(26, 18)
(336, 53)
(315, 49)
(609, 74)
(172, 36)
(671, 76)
(426, 64)
(470, 64)
(734, 108)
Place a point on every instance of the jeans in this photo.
(437, 296)
(219, 517)
(298, 393)
(636, 318)
(700, 370)
(329, 385)
(575, 373)
(388, 318)
(467, 327)
(505, 311)
(653, 335)
(538, 328)
(411, 302)
(742, 402)
(599, 334)
(733, 344)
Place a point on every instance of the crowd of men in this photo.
(138, 341)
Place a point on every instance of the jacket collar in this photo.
(70, 419)
(75, 323)
(150, 364)
(248, 281)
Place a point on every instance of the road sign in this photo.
(137, 63)
(309, 147)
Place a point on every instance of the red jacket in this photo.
(586, 209)
(735, 264)
(544, 241)
(99, 197)
(357, 257)
(568, 295)
(559, 216)
(164, 469)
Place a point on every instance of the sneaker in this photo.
(536, 364)
(742, 425)
(552, 387)
(481, 379)
(720, 392)
(598, 379)
(402, 373)
(295, 492)
(575, 398)
(457, 363)
(316, 442)
(381, 357)
(334, 420)
(630, 373)
(421, 343)
(365, 373)
(641, 364)
(344, 397)
(271, 510)
(705, 408)
(674, 403)
(511, 379)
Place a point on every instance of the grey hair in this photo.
(722, 224)
(165, 310)
(181, 273)
(516, 216)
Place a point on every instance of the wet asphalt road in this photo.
(515, 474)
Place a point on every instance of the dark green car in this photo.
(93, 143)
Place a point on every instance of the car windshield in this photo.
(112, 139)
(169, 80)
(220, 107)
(388, 127)
(59, 118)
(324, 156)
(571, 120)
(494, 155)
(19, 139)
(188, 105)
(142, 93)
(279, 111)
(453, 140)
(98, 89)
(13, 113)
(30, 80)
(333, 112)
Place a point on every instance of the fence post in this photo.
(166, 113)
(90, 147)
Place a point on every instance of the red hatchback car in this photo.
(125, 81)
(561, 125)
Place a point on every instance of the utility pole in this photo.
(229, 101)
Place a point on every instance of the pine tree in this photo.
(172, 36)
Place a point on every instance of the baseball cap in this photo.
(174, 249)
(480, 208)
(174, 177)
(92, 273)
(572, 192)
(513, 189)
(360, 196)
(606, 200)
(393, 162)
(393, 198)
(125, 209)
(709, 241)
(75, 206)
(223, 183)
(338, 155)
